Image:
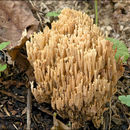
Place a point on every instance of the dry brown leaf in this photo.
(15, 18)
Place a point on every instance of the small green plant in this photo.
(2, 67)
(96, 12)
(121, 49)
(53, 14)
(2, 46)
(125, 100)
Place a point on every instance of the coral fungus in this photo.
(74, 67)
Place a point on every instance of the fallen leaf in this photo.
(16, 23)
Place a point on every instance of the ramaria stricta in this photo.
(74, 67)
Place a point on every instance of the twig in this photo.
(110, 115)
(6, 111)
(45, 110)
(11, 118)
(13, 96)
(29, 107)
(8, 83)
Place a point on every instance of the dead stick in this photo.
(29, 108)
(12, 95)
(110, 112)
(45, 110)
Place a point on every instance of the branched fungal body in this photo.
(74, 67)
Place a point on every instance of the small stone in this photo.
(109, 28)
(121, 27)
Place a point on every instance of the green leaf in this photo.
(2, 67)
(125, 99)
(53, 14)
(3, 45)
(122, 50)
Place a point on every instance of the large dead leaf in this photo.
(16, 22)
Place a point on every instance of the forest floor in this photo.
(114, 21)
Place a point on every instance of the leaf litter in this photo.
(15, 17)
(16, 27)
